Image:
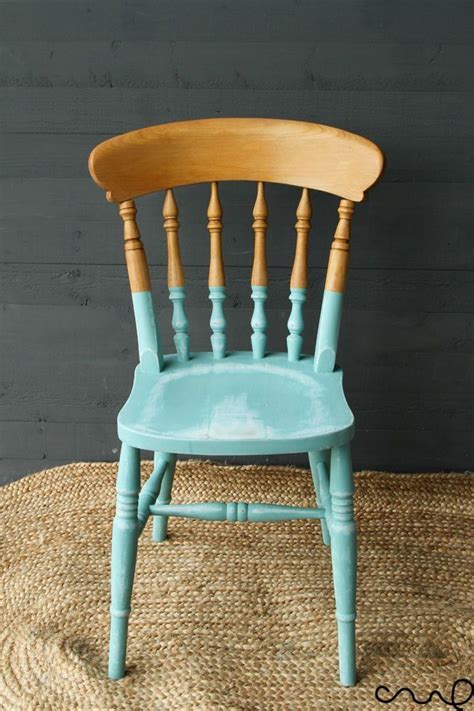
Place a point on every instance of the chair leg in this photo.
(124, 554)
(319, 462)
(344, 550)
(160, 523)
(150, 489)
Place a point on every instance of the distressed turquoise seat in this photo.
(250, 402)
(237, 405)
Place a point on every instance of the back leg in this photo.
(151, 489)
(124, 555)
(319, 463)
(160, 523)
(344, 552)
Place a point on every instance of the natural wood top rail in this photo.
(307, 155)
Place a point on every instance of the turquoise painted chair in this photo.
(238, 403)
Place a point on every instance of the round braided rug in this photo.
(233, 616)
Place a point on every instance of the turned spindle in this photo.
(339, 256)
(299, 277)
(259, 279)
(176, 288)
(336, 277)
(238, 511)
(135, 256)
(216, 274)
(151, 358)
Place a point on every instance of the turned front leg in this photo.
(343, 549)
(124, 554)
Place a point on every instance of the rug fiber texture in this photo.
(233, 616)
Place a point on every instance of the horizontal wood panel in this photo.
(402, 226)
(373, 410)
(82, 332)
(13, 469)
(241, 65)
(78, 361)
(56, 443)
(58, 440)
(412, 338)
(392, 290)
(381, 392)
(366, 20)
(65, 156)
(397, 115)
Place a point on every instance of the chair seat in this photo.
(236, 406)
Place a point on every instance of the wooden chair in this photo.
(247, 402)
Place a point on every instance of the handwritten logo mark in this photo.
(457, 700)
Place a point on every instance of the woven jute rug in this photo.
(233, 616)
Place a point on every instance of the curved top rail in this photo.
(296, 153)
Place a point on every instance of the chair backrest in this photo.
(306, 155)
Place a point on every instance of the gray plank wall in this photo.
(75, 73)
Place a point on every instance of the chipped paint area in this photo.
(234, 418)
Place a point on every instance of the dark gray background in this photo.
(75, 73)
